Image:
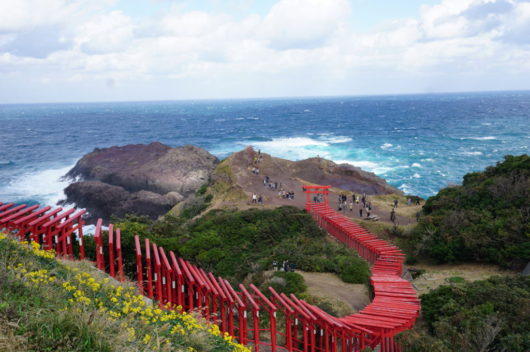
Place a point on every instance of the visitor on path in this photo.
(393, 216)
(396, 203)
(274, 265)
(260, 199)
(361, 212)
(368, 214)
(351, 206)
(254, 198)
(286, 265)
(357, 199)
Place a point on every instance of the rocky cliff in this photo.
(137, 179)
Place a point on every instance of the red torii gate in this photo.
(315, 190)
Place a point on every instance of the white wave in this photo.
(290, 142)
(90, 230)
(45, 186)
(292, 148)
(471, 153)
(338, 139)
(486, 124)
(487, 138)
(407, 189)
(239, 118)
(386, 146)
(416, 175)
(366, 165)
(428, 159)
(416, 165)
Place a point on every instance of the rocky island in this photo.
(137, 179)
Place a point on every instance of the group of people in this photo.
(257, 158)
(257, 198)
(365, 208)
(286, 195)
(267, 182)
(286, 266)
(318, 198)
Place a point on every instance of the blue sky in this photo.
(116, 50)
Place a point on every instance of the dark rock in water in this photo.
(138, 179)
(100, 199)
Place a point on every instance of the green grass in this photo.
(50, 305)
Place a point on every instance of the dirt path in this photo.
(437, 275)
(329, 286)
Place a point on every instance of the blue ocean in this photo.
(418, 143)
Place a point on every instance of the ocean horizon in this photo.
(419, 143)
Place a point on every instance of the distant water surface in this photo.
(418, 143)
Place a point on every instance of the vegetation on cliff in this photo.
(487, 219)
(241, 244)
(489, 315)
(48, 305)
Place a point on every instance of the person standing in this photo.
(361, 212)
(351, 206)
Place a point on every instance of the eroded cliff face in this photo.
(138, 179)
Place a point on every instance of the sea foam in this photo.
(45, 186)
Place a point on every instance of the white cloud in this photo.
(302, 45)
(303, 23)
(106, 33)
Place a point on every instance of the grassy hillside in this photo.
(48, 305)
(487, 219)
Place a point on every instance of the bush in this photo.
(489, 315)
(292, 283)
(487, 219)
(235, 244)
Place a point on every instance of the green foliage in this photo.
(489, 315)
(235, 244)
(193, 206)
(202, 190)
(456, 280)
(290, 282)
(486, 219)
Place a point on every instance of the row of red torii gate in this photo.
(290, 324)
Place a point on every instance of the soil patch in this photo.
(329, 286)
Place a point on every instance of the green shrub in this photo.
(486, 219)
(235, 244)
(488, 315)
(293, 283)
